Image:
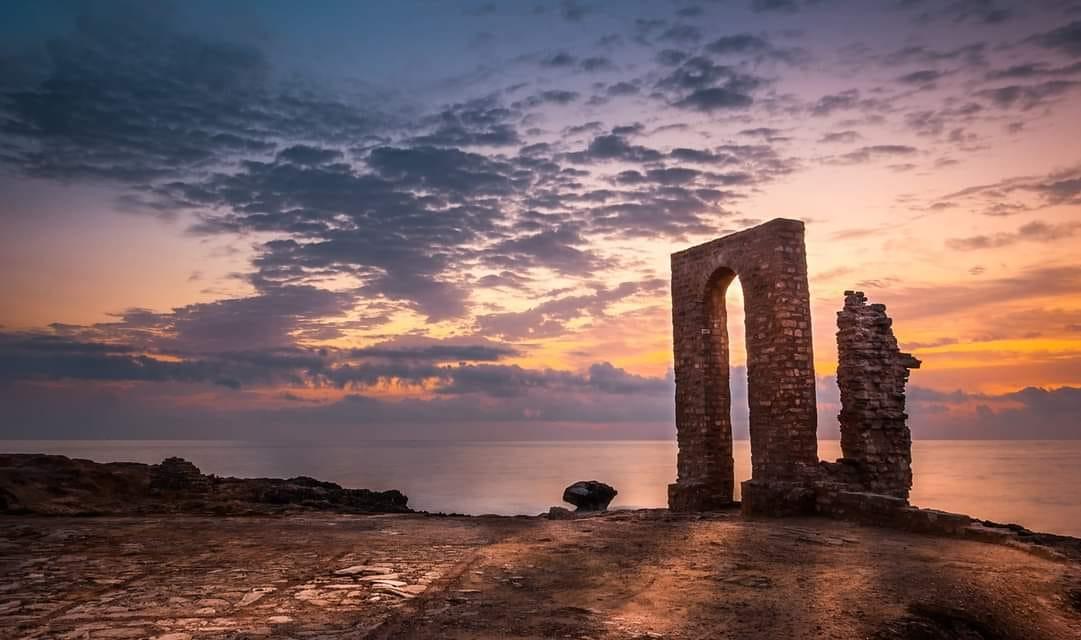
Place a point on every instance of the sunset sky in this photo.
(453, 219)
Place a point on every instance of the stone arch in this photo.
(771, 263)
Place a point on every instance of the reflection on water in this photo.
(1028, 482)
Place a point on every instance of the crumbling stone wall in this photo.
(771, 263)
(871, 375)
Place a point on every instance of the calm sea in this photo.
(1034, 483)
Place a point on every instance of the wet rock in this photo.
(589, 495)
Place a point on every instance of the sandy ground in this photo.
(624, 575)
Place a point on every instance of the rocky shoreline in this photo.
(161, 562)
(56, 485)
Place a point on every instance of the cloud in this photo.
(550, 96)
(681, 33)
(738, 43)
(1065, 39)
(935, 122)
(573, 11)
(971, 55)
(190, 102)
(511, 381)
(1028, 96)
(921, 77)
(465, 349)
(622, 89)
(702, 85)
(373, 226)
(1030, 413)
(840, 137)
(768, 134)
(46, 357)
(551, 317)
(597, 63)
(761, 161)
(528, 411)
(746, 44)
(614, 147)
(715, 98)
(275, 317)
(1035, 231)
(875, 152)
(917, 302)
(484, 9)
(478, 122)
(1032, 70)
(1028, 193)
(560, 59)
(32, 358)
(700, 73)
(553, 248)
(447, 170)
(844, 101)
(959, 11)
(307, 155)
(671, 57)
(783, 6)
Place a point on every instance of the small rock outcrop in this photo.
(177, 474)
(589, 495)
(559, 513)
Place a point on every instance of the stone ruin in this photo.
(874, 476)
(871, 375)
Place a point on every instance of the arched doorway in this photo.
(772, 266)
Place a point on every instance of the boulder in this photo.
(589, 495)
(559, 513)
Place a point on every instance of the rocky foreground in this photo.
(320, 561)
(58, 485)
(646, 574)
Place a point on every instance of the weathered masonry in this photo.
(786, 475)
(871, 375)
(771, 263)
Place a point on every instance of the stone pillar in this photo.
(871, 375)
(771, 263)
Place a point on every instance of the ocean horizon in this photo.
(1018, 481)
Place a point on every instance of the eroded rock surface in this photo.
(620, 575)
(57, 485)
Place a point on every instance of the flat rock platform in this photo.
(626, 574)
